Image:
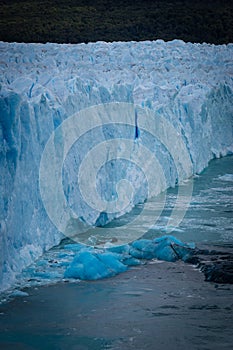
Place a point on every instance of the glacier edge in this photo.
(190, 85)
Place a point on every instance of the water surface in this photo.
(160, 305)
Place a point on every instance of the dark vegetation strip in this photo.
(76, 21)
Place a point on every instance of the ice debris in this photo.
(226, 177)
(19, 293)
(92, 264)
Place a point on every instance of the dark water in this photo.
(209, 218)
(209, 215)
(156, 306)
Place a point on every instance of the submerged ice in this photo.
(92, 264)
(75, 261)
(187, 85)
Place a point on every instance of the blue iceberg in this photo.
(89, 264)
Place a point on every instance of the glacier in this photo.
(149, 85)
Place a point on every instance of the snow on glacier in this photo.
(190, 85)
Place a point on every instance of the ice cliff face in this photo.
(188, 86)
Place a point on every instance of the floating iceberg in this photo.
(226, 177)
(89, 264)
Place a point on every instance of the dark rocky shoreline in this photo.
(216, 265)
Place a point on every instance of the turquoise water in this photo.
(209, 218)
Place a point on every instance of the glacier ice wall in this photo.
(190, 85)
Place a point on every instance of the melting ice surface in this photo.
(187, 86)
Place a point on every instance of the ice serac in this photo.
(190, 85)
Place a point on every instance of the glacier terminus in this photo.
(88, 131)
